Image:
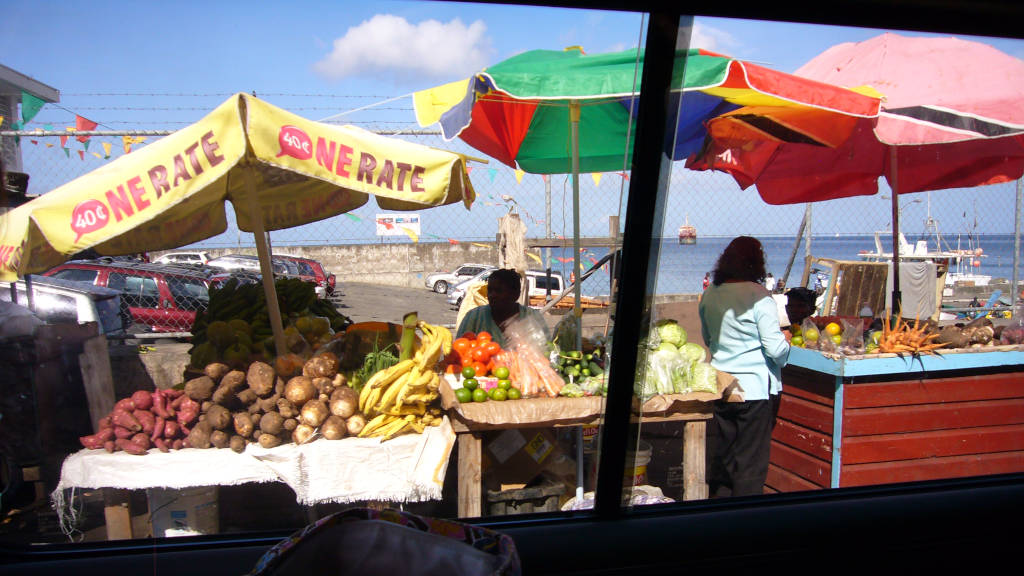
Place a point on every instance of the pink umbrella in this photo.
(952, 116)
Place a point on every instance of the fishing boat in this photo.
(687, 233)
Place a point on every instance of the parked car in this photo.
(58, 301)
(313, 271)
(537, 280)
(245, 262)
(159, 297)
(440, 281)
(217, 279)
(198, 258)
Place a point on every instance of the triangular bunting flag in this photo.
(535, 257)
(67, 152)
(624, 175)
(490, 173)
(30, 106)
(410, 233)
(85, 145)
(1, 119)
(453, 241)
(479, 244)
(81, 154)
(545, 178)
(469, 169)
(34, 141)
(63, 141)
(353, 217)
(519, 176)
(597, 178)
(49, 145)
(84, 125)
(106, 149)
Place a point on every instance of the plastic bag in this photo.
(852, 342)
(704, 378)
(811, 335)
(565, 333)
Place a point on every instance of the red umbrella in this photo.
(952, 116)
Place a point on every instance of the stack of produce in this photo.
(674, 365)
(145, 420)
(478, 351)
(235, 327)
(403, 398)
(584, 372)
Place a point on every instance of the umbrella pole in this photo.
(577, 310)
(897, 305)
(266, 269)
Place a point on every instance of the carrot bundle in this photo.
(901, 337)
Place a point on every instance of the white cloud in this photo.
(388, 45)
(713, 39)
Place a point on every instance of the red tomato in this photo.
(469, 335)
(461, 345)
(485, 336)
(492, 348)
(480, 354)
(481, 369)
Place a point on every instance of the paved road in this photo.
(373, 302)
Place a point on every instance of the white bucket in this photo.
(640, 459)
(183, 512)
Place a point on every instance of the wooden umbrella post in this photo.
(577, 309)
(266, 266)
(897, 305)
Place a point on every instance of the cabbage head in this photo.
(663, 366)
(693, 352)
(703, 378)
(670, 331)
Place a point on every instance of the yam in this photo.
(247, 397)
(199, 436)
(256, 408)
(261, 378)
(230, 384)
(344, 402)
(286, 408)
(324, 386)
(334, 428)
(269, 404)
(237, 443)
(300, 390)
(215, 371)
(200, 388)
(220, 439)
(243, 424)
(314, 413)
(269, 440)
(303, 433)
(355, 424)
(218, 417)
(290, 424)
(321, 366)
(340, 380)
(272, 423)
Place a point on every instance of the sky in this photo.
(159, 66)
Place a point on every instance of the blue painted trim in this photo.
(837, 432)
(892, 364)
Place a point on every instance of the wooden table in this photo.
(693, 414)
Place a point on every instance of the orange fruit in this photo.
(832, 329)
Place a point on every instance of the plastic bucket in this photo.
(640, 459)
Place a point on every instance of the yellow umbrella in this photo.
(278, 170)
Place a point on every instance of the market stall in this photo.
(853, 420)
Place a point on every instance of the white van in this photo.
(538, 284)
(55, 301)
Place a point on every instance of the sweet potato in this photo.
(105, 422)
(122, 432)
(160, 405)
(200, 388)
(146, 418)
(125, 405)
(260, 377)
(161, 445)
(109, 445)
(189, 412)
(142, 399)
(141, 440)
(125, 419)
(171, 429)
(97, 440)
(130, 447)
(178, 444)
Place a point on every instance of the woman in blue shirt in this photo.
(740, 324)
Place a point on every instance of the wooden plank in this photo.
(813, 470)
(803, 439)
(780, 480)
(890, 447)
(870, 421)
(97, 378)
(807, 414)
(470, 476)
(959, 389)
(695, 485)
(817, 391)
(931, 468)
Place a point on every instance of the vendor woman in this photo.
(502, 314)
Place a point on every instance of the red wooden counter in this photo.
(854, 421)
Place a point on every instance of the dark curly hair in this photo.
(508, 277)
(742, 259)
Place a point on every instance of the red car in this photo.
(312, 271)
(160, 298)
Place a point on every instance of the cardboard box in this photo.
(517, 456)
(183, 512)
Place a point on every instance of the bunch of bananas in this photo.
(397, 400)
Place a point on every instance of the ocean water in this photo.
(681, 268)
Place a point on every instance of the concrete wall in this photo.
(387, 264)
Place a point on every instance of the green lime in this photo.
(504, 384)
(585, 372)
(501, 372)
(514, 394)
(479, 395)
(470, 383)
(463, 395)
(468, 372)
(499, 394)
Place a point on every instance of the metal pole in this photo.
(896, 304)
(547, 219)
(577, 309)
(1016, 245)
(796, 244)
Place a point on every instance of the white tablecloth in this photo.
(409, 468)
